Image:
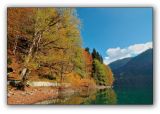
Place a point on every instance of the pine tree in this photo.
(87, 50)
(96, 55)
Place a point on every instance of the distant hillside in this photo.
(119, 63)
(137, 72)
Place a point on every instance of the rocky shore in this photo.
(31, 95)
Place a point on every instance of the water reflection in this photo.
(105, 96)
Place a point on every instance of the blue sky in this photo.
(104, 28)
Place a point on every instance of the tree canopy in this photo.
(49, 38)
(101, 73)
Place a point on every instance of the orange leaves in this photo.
(88, 62)
(18, 19)
(76, 80)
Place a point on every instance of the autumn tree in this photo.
(88, 63)
(61, 47)
(53, 40)
(20, 29)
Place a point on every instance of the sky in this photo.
(116, 33)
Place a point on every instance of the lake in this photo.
(132, 95)
(104, 97)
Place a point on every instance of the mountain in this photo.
(134, 72)
(119, 63)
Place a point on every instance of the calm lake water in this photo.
(105, 97)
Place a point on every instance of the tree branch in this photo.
(50, 42)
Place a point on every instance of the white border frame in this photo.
(93, 109)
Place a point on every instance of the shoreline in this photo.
(104, 87)
(31, 95)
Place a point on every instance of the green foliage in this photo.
(65, 47)
(79, 63)
(97, 56)
(100, 73)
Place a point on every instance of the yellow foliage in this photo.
(77, 81)
(110, 77)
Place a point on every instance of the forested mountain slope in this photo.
(138, 72)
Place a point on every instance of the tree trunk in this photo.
(24, 74)
(25, 70)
